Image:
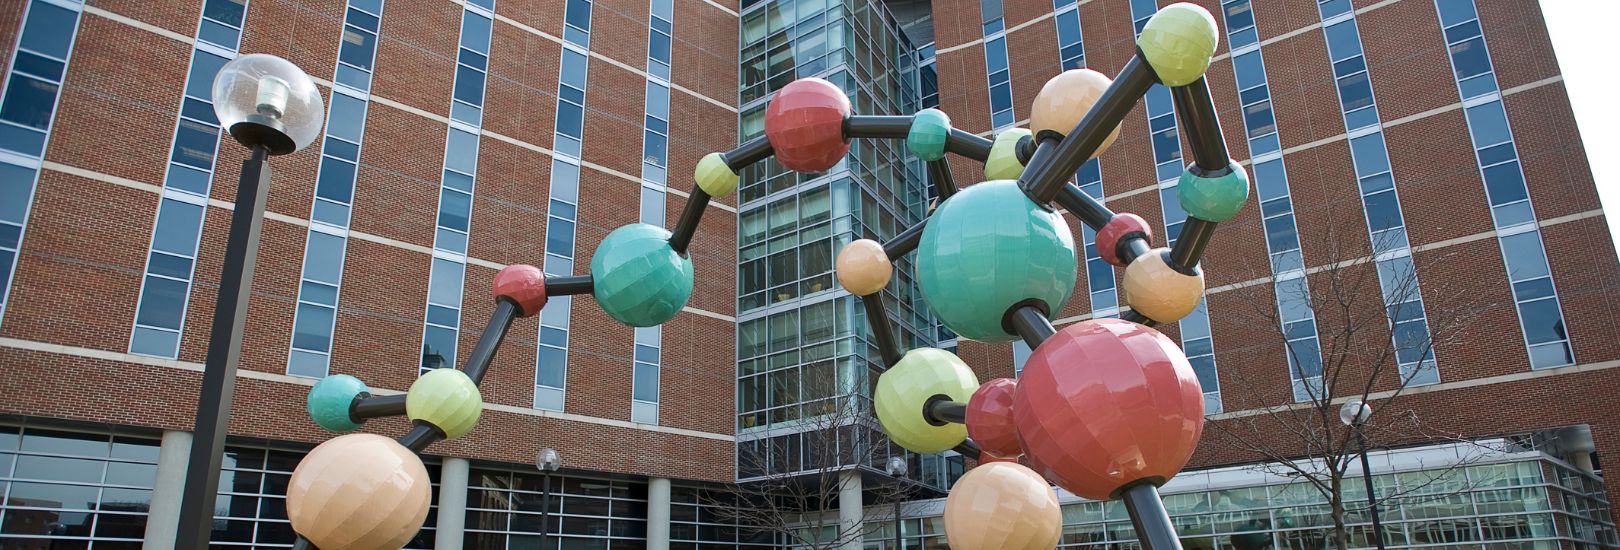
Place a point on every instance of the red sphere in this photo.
(523, 284)
(990, 418)
(805, 124)
(1117, 228)
(1105, 403)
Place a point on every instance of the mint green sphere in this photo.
(1214, 199)
(930, 129)
(329, 402)
(989, 247)
(639, 279)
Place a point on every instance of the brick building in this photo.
(471, 134)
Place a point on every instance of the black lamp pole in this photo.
(1366, 477)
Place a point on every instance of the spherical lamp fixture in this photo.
(1354, 413)
(266, 101)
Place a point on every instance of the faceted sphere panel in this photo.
(639, 279)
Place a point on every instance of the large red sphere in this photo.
(1105, 403)
(990, 418)
(805, 124)
(523, 284)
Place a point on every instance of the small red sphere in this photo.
(805, 124)
(1105, 403)
(524, 284)
(990, 418)
(1117, 228)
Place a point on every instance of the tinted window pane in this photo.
(454, 209)
(564, 181)
(1470, 58)
(336, 181)
(1250, 71)
(469, 85)
(1280, 233)
(1505, 183)
(646, 382)
(438, 348)
(29, 102)
(162, 303)
(445, 287)
(323, 258)
(313, 331)
(1455, 11)
(49, 29)
(225, 11)
(16, 185)
(573, 68)
(1524, 256)
(1342, 40)
(475, 32)
(194, 144)
(1542, 321)
(200, 82)
(1355, 92)
(1369, 154)
(1383, 210)
(177, 226)
(1270, 180)
(578, 14)
(461, 152)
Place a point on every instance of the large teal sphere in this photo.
(989, 247)
(639, 279)
(329, 402)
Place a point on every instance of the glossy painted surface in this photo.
(447, 399)
(523, 284)
(930, 129)
(359, 492)
(328, 402)
(1214, 199)
(639, 279)
(989, 247)
(903, 390)
(990, 418)
(805, 123)
(1003, 162)
(1106, 402)
(714, 177)
(1178, 43)
(1122, 224)
(1002, 506)
(863, 268)
(1153, 288)
(1065, 99)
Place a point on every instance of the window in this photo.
(552, 353)
(71, 488)
(1071, 43)
(1240, 26)
(995, 59)
(504, 510)
(577, 23)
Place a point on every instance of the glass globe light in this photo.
(547, 460)
(264, 100)
(1355, 412)
(896, 466)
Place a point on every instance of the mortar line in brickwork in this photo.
(127, 358)
(301, 222)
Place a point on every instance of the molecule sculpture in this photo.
(1106, 408)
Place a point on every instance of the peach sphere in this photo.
(359, 492)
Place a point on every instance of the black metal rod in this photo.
(1148, 516)
(1138, 318)
(545, 509)
(490, 340)
(882, 330)
(1190, 244)
(968, 449)
(570, 286)
(873, 126)
(1196, 112)
(1039, 160)
(1089, 210)
(1031, 325)
(939, 172)
(943, 411)
(681, 237)
(1133, 246)
(1133, 81)
(897, 498)
(367, 406)
(906, 241)
(303, 544)
(1372, 498)
(213, 418)
(755, 150)
(968, 145)
(421, 435)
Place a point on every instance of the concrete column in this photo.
(850, 511)
(658, 513)
(163, 515)
(451, 529)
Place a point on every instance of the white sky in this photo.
(1583, 38)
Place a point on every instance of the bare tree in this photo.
(1357, 327)
(790, 486)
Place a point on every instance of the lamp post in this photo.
(897, 468)
(1355, 414)
(271, 107)
(547, 461)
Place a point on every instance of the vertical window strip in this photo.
(1386, 227)
(1099, 274)
(1294, 311)
(27, 109)
(551, 355)
(646, 359)
(996, 65)
(325, 249)
(171, 259)
(1071, 41)
(1196, 339)
(1541, 318)
(441, 325)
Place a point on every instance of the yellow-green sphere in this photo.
(447, 399)
(1179, 42)
(906, 387)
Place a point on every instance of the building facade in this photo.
(466, 135)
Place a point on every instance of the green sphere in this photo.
(987, 248)
(903, 391)
(1003, 162)
(329, 402)
(930, 128)
(447, 399)
(1178, 42)
(639, 279)
(1213, 198)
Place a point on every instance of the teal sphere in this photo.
(987, 248)
(639, 279)
(1213, 198)
(329, 401)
